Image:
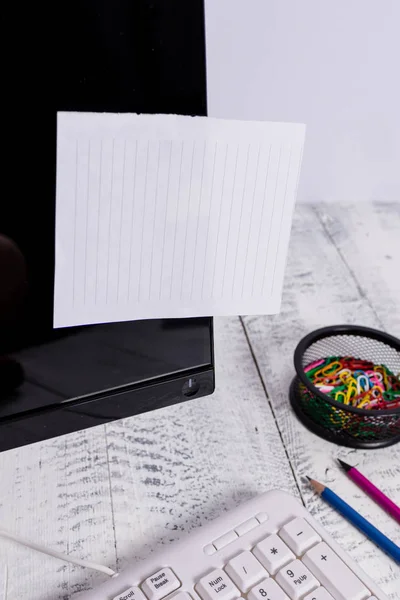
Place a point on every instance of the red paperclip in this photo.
(390, 405)
(356, 364)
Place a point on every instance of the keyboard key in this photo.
(262, 517)
(319, 594)
(245, 571)
(209, 549)
(334, 574)
(246, 526)
(217, 585)
(132, 594)
(296, 580)
(160, 584)
(225, 539)
(299, 536)
(267, 590)
(273, 554)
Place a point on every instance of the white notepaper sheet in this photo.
(162, 216)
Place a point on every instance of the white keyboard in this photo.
(269, 548)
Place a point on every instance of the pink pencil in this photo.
(369, 488)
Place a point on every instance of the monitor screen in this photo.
(144, 57)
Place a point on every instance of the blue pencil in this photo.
(357, 520)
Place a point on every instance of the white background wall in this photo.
(332, 64)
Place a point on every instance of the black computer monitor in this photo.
(113, 56)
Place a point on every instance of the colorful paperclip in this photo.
(356, 382)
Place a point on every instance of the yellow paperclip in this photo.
(384, 374)
(340, 397)
(343, 372)
(344, 375)
(329, 370)
(375, 388)
(325, 371)
(351, 391)
(351, 382)
(364, 401)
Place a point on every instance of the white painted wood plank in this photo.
(57, 494)
(367, 237)
(3, 581)
(177, 468)
(319, 290)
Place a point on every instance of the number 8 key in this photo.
(267, 590)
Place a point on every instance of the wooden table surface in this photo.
(114, 493)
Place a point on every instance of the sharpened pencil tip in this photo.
(316, 485)
(344, 465)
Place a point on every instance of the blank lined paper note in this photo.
(163, 216)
